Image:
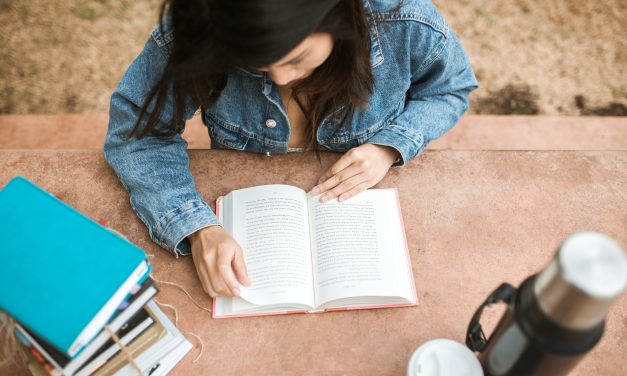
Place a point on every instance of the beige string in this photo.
(124, 350)
(176, 323)
(202, 345)
(176, 314)
(182, 289)
(164, 282)
(8, 343)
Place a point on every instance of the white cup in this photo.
(443, 357)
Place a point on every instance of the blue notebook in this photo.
(62, 275)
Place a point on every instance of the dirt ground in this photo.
(556, 57)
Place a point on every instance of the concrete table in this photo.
(473, 132)
(473, 219)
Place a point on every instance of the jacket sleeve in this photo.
(154, 171)
(436, 99)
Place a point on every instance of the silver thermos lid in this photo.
(576, 289)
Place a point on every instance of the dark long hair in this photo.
(211, 37)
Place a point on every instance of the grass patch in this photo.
(86, 11)
(6, 5)
(23, 11)
(610, 109)
(510, 100)
(91, 10)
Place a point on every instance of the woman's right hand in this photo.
(219, 261)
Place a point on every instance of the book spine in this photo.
(39, 354)
(115, 325)
(114, 349)
(98, 322)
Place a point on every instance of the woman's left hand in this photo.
(357, 170)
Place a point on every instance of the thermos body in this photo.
(527, 342)
(556, 316)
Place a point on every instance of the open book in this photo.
(306, 256)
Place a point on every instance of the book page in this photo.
(359, 247)
(271, 225)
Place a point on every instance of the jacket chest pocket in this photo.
(225, 136)
(337, 135)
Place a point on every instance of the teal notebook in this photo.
(62, 275)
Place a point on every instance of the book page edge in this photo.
(407, 253)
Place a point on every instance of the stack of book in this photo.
(81, 295)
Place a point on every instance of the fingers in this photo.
(218, 259)
(352, 192)
(204, 280)
(202, 265)
(239, 266)
(336, 180)
(209, 290)
(344, 161)
(346, 186)
(357, 170)
(223, 279)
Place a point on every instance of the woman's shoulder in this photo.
(419, 11)
(163, 35)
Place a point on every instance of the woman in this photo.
(375, 80)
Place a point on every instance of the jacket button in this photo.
(270, 123)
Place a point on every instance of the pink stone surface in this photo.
(473, 219)
(497, 132)
(474, 132)
(73, 132)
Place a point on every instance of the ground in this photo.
(557, 57)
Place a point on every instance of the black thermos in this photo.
(556, 316)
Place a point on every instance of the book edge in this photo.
(115, 324)
(406, 244)
(96, 324)
(334, 309)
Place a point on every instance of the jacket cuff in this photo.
(175, 226)
(406, 141)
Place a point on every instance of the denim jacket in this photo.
(422, 81)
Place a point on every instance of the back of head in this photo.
(211, 37)
(246, 33)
